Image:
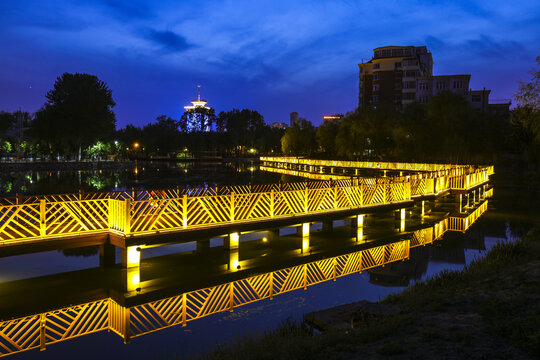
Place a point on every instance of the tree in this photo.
(7, 120)
(198, 119)
(326, 136)
(77, 113)
(299, 139)
(525, 118)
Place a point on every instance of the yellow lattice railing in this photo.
(37, 331)
(359, 164)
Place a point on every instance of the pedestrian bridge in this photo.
(41, 329)
(144, 212)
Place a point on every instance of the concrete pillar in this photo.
(460, 203)
(423, 208)
(234, 260)
(331, 170)
(131, 257)
(203, 246)
(359, 227)
(303, 230)
(107, 255)
(328, 225)
(401, 216)
(232, 240)
(272, 235)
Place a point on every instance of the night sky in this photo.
(271, 56)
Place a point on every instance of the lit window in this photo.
(376, 66)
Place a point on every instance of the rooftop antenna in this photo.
(198, 92)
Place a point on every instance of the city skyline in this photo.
(271, 57)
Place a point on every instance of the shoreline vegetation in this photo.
(489, 310)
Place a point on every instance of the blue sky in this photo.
(271, 56)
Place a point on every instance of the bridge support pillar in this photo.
(107, 255)
(328, 225)
(131, 257)
(131, 274)
(232, 241)
(400, 215)
(423, 208)
(234, 260)
(272, 235)
(203, 246)
(303, 231)
(359, 227)
(331, 170)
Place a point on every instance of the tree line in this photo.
(77, 121)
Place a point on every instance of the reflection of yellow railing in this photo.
(37, 331)
(53, 219)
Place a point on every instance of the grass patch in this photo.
(495, 301)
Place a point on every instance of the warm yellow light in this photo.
(136, 145)
(360, 221)
(305, 229)
(135, 279)
(360, 234)
(305, 244)
(234, 239)
(133, 256)
(264, 239)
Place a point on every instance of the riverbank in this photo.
(490, 310)
(65, 165)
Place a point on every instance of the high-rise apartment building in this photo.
(404, 74)
(391, 75)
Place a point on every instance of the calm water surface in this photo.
(38, 280)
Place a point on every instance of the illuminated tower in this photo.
(197, 116)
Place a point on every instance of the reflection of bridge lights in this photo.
(305, 244)
(135, 279)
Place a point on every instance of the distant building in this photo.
(402, 75)
(197, 115)
(278, 125)
(294, 118)
(427, 87)
(390, 76)
(332, 118)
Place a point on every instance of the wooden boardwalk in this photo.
(40, 330)
(131, 213)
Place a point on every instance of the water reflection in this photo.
(174, 289)
(118, 176)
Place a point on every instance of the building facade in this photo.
(427, 87)
(391, 75)
(402, 75)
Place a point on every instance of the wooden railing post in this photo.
(231, 297)
(42, 218)
(42, 335)
(127, 216)
(232, 207)
(184, 211)
(272, 203)
(306, 200)
(184, 309)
